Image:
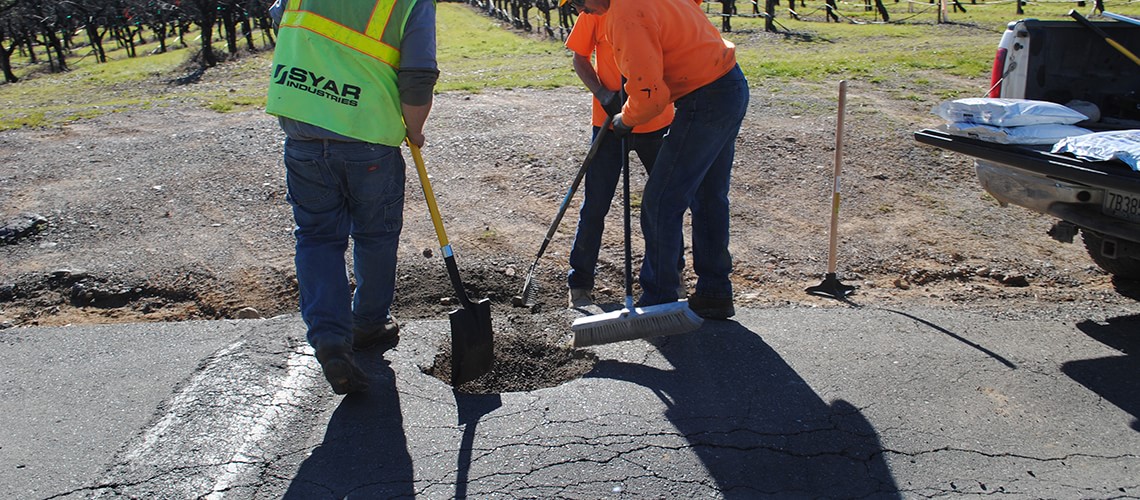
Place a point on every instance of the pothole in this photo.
(522, 363)
(532, 349)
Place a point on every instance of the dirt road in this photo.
(177, 213)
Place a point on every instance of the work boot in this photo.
(580, 297)
(369, 336)
(712, 308)
(340, 369)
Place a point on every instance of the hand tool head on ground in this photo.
(472, 341)
(831, 286)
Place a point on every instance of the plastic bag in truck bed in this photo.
(1001, 112)
(1123, 145)
(1048, 133)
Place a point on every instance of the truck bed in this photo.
(1063, 61)
(1068, 61)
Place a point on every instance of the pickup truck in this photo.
(1062, 61)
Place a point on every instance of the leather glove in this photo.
(610, 101)
(620, 128)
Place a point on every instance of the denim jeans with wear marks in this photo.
(602, 176)
(692, 172)
(340, 190)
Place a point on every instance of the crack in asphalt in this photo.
(1013, 455)
(291, 387)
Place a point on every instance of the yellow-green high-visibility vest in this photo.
(335, 67)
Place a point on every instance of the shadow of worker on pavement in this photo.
(754, 423)
(364, 453)
(1114, 378)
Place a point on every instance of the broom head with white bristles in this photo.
(635, 323)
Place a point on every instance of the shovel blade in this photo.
(472, 342)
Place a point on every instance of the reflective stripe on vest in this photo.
(334, 68)
(373, 29)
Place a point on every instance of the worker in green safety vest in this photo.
(350, 81)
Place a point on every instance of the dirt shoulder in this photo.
(178, 213)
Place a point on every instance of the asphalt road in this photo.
(783, 403)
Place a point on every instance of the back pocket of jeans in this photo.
(309, 184)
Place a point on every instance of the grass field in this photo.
(913, 53)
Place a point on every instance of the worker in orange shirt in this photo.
(603, 80)
(672, 56)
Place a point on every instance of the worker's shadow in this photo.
(754, 423)
(1114, 378)
(365, 452)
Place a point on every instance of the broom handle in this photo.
(628, 212)
(628, 226)
(834, 242)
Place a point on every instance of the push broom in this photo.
(633, 322)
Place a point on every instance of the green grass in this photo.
(475, 52)
(875, 52)
(245, 89)
(121, 69)
(92, 89)
(913, 56)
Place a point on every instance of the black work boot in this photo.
(369, 336)
(712, 308)
(340, 369)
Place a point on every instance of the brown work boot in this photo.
(712, 308)
(341, 371)
(580, 297)
(369, 336)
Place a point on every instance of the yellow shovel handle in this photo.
(425, 183)
(1119, 48)
(1127, 53)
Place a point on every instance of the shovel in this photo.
(472, 341)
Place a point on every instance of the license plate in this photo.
(1122, 205)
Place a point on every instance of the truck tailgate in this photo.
(1038, 159)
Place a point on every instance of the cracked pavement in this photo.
(788, 403)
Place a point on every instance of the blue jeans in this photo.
(692, 172)
(602, 177)
(338, 190)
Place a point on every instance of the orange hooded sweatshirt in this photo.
(666, 49)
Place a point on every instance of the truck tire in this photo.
(1125, 263)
